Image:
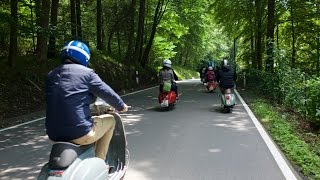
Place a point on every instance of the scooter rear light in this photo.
(57, 173)
(228, 97)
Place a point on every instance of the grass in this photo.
(284, 132)
(183, 73)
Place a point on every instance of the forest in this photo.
(273, 44)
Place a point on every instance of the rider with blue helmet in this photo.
(70, 89)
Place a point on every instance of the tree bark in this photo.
(258, 4)
(78, 14)
(129, 54)
(73, 19)
(270, 35)
(13, 33)
(53, 25)
(159, 12)
(42, 39)
(293, 53)
(140, 31)
(99, 25)
(252, 53)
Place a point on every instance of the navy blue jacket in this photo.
(226, 77)
(70, 89)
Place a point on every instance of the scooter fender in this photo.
(228, 99)
(167, 98)
(81, 168)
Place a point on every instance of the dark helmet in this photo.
(76, 51)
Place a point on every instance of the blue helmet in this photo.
(76, 51)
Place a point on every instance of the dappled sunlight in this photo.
(28, 146)
(140, 171)
(214, 150)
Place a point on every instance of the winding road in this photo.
(194, 141)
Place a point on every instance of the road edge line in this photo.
(18, 125)
(284, 167)
(39, 119)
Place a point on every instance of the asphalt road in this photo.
(194, 141)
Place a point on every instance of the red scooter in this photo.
(211, 86)
(167, 100)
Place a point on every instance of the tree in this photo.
(53, 27)
(140, 31)
(42, 37)
(99, 25)
(13, 32)
(158, 14)
(259, 31)
(73, 19)
(130, 50)
(78, 14)
(270, 34)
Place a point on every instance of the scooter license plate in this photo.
(165, 103)
(228, 100)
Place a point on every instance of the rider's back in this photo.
(166, 75)
(226, 77)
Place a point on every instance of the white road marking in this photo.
(12, 127)
(287, 172)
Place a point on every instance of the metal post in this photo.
(244, 80)
(137, 77)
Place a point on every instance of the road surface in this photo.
(194, 141)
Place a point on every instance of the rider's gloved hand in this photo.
(125, 108)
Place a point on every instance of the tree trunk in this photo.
(293, 54)
(140, 32)
(33, 30)
(99, 25)
(119, 43)
(13, 33)
(129, 53)
(42, 39)
(73, 19)
(270, 35)
(53, 25)
(259, 33)
(78, 14)
(159, 12)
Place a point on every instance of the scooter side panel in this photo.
(117, 149)
(81, 168)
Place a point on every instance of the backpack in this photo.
(210, 75)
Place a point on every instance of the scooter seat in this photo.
(64, 153)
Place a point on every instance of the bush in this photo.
(290, 87)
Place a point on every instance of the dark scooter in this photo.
(69, 161)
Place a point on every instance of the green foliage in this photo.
(185, 73)
(284, 134)
(290, 87)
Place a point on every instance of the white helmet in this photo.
(210, 68)
(167, 63)
(225, 62)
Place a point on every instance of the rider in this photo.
(167, 74)
(70, 89)
(210, 76)
(226, 77)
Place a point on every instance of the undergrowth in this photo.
(285, 135)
